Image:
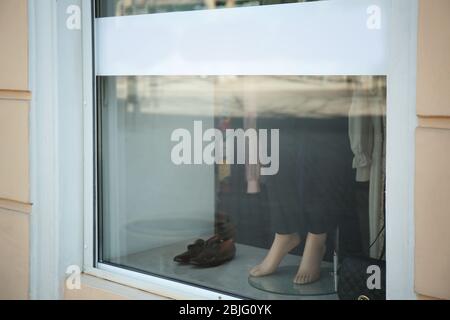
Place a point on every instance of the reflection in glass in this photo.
(330, 177)
(108, 8)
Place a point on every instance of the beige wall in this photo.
(14, 259)
(432, 266)
(15, 204)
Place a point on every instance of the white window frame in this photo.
(48, 211)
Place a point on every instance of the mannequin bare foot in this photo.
(281, 246)
(309, 270)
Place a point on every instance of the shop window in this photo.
(256, 186)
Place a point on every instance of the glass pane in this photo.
(111, 8)
(242, 171)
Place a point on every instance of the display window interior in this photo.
(255, 186)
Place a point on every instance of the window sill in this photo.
(94, 288)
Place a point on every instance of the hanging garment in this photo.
(252, 171)
(366, 133)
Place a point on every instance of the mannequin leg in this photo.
(281, 246)
(309, 270)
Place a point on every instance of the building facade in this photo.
(86, 87)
